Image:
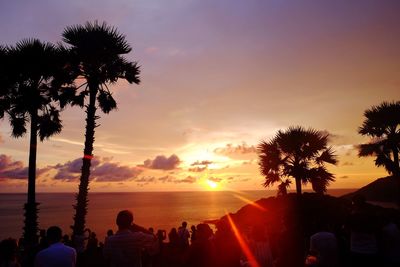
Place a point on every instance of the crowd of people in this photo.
(364, 240)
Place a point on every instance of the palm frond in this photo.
(106, 101)
(49, 124)
(18, 125)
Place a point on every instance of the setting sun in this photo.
(211, 184)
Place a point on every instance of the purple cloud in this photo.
(11, 169)
(161, 162)
(102, 170)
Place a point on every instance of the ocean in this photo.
(160, 210)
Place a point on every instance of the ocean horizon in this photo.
(160, 210)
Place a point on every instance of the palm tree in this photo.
(97, 51)
(382, 124)
(283, 187)
(300, 154)
(27, 97)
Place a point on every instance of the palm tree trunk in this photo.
(31, 211)
(298, 186)
(82, 196)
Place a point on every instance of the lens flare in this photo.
(243, 245)
(254, 204)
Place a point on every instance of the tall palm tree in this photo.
(300, 154)
(382, 124)
(97, 51)
(27, 97)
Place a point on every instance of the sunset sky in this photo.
(217, 78)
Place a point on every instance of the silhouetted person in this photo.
(43, 242)
(8, 253)
(193, 233)
(324, 246)
(227, 247)
(390, 243)
(57, 254)
(67, 241)
(159, 257)
(363, 239)
(260, 247)
(173, 253)
(202, 251)
(92, 241)
(184, 235)
(124, 248)
(110, 232)
(173, 237)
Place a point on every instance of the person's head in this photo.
(54, 234)
(151, 230)
(184, 224)
(124, 219)
(110, 232)
(65, 238)
(193, 228)
(42, 233)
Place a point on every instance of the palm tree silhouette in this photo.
(97, 51)
(382, 124)
(300, 154)
(283, 187)
(27, 96)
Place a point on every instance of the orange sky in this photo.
(217, 77)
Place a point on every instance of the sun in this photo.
(211, 184)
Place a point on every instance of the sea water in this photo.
(160, 210)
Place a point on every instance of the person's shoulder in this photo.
(141, 235)
(68, 248)
(42, 252)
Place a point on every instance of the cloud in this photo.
(215, 179)
(1, 139)
(347, 163)
(102, 170)
(71, 170)
(202, 163)
(167, 178)
(146, 179)
(345, 149)
(231, 149)
(112, 172)
(161, 162)
(197, 169)
(151, 50)
(188, 179)
(11, 169)
(344, 177)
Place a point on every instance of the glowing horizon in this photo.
(213, 86)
